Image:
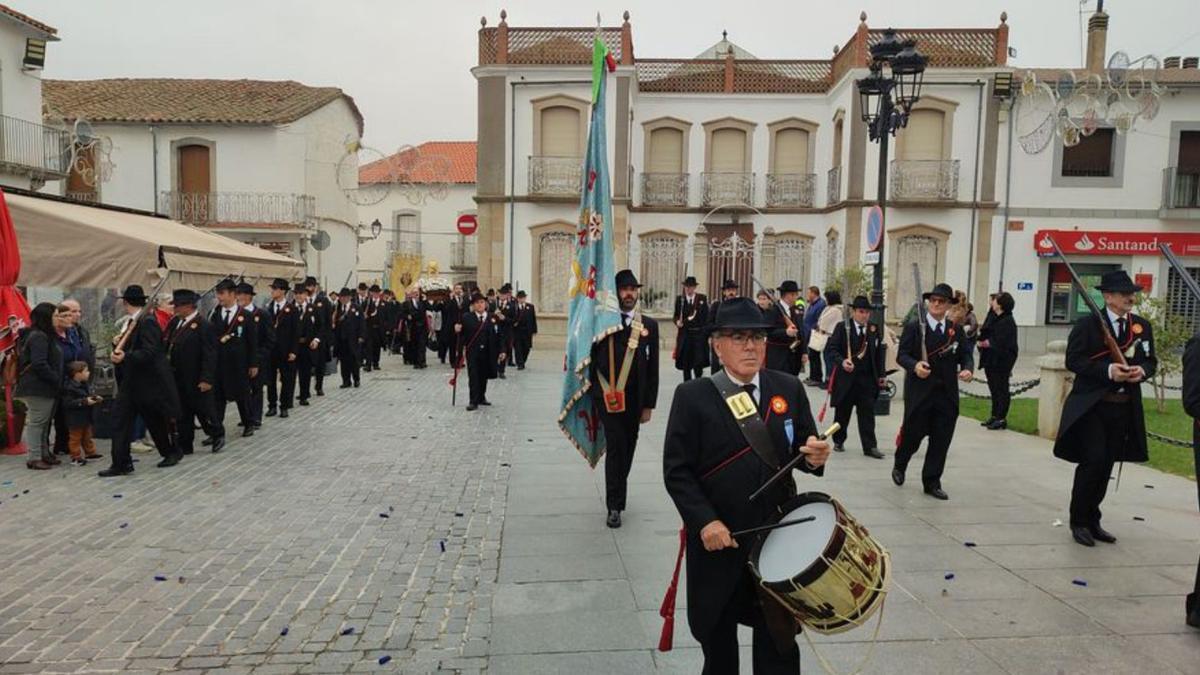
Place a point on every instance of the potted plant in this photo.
(19, 409)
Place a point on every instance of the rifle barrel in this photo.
(1180, 270)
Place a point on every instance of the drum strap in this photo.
(745, 414)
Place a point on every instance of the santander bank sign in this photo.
(1089, 242)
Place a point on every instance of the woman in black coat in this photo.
(39, 380)
(998, 355)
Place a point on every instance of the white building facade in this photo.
(30, 152)
(268, 163)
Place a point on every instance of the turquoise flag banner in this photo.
(592, 298)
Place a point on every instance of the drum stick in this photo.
(833, 429)
(764, 528)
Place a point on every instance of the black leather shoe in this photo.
(873, 452)
(838, 447)
(320, 392)
(521, 367)
(187, 452)
(283, 414)
(271, 412)
(1100, 534)
(485, 402)
(356, 384)
(937, 493)
(248, 431)
(502, 376)
(344, 385)
(303, 401)
(1083, 536)
(113, 471)
(898, 476)
(1193, 618)
(168, 461)
(472, 407)
(614, 518)
(218, 445)
(998, 424)
(987, 422)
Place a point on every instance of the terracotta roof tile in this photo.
(432, 162)
(28, 20)
(162, 100)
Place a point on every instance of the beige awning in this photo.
(69, 245)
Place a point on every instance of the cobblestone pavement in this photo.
(365, 526)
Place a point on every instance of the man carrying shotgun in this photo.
(1111, 352)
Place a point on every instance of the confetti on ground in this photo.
(442, 544)
(159, 577)
(384, 515)
(124, 525)
(284, 631)
(1057, 523)
(1079, 582)
(117, 496)
(391, 509)
(348, 630)
(24, 492)
(1150, 486)
(969, 544)
(182, 580)
(458, 514)
(7, 482)
(949, 576)
(1139, 518)
(384, 659)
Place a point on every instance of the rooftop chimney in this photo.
(1171, 62)
(1097, 39)
(1191, 62)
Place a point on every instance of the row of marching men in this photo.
(188, 374)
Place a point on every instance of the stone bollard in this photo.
(1053, 390)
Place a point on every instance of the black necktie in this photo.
(749, 389)
(938, 331)
(1121, 329)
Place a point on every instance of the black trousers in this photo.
(318, 358)
(477, 377)
(257, 383)
(221, 399)
(61, 432)
(861, 402)
(721, 647)
(815, 358)
(522, 344)
(281, 383)
(195, 406)
(418, 344)
(934, 417)
(304, 371)
(1193, 598)
(506, 345)
(349, 367)
(998, 388)
(689, 373)
(1106, 429)
(127, 410)
(621, 437)
(376, 339)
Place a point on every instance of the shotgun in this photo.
(922, 322)
(1110, 340)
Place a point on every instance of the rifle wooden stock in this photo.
(921, 321)
(1110, 340)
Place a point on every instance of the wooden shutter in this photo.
(837, 143)
(728, 153)
(194, 169)
(791, 151)
(666, 151)
(1189, 152)
(560, 132)
(923, 135)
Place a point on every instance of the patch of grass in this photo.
(1174, 423)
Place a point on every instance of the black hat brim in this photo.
(1131, 288)
(949, 299)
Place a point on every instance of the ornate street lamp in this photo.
(376, 228)
(887, 96)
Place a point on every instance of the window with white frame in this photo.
(406, 235)
(661, 257)
(793, 259)
(557, 251)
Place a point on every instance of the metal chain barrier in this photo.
(1168, 440)
(1014, 388)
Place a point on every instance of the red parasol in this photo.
(14, 315)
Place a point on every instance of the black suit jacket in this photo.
(947, 356)
(481, 343)
(145, 376)
(868, 367)
(414, 317)
(779, 353)
(452, 311)
(691, 342)
(643, 373)
(266, 335)
(192, 351)
(237, 350)
(1089, 360)
(710, 472)
(1191, 395)
(287, 331)
(1001, 333)
(349, 328)
(525, 320)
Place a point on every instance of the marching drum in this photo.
(829, 572)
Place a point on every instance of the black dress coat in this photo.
(349, 329)
(237, 351)
(691, 344)
(287, 332)
(947, 357)
(779, 344)
(1088, 358)
(322, 329)
(481, 344)
(266, 339)
(452, 310)
(192, 352)
(868, 367)
(1000, 330)
(503, 326)
(710, 472)
(643, 373)
(525, 320)
(144, 377)
(1191, 396)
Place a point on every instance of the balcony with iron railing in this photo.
(728, 188)
(791, 189)
(1181, 189)
(555, 176)
(29, 148)
(922, 180)
(215, 208)
(463, 255)
(665, 189)
(833, 186)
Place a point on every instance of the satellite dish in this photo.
(84, 134)
(320, 240)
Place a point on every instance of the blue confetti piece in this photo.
(1079, 582)
(949, 576)
(384, 515)
(284, 631)
(384, 659)
(124, 525)
(458, 514)
(442, 544)
(24, 492)
(969, 544)
(1139, 518)
(117, 496)
(7, 482)
(348, 630)
(158, 577)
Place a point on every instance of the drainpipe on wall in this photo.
(1012, 112)
(154, 165)
(975, 190)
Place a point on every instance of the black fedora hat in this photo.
(729, 284)
(300, 288)
(478, 297)
(226, 285)
(345, 293)
(133, 293)
(690, 282)
(506, 288)
(739, 314)
(522, 294)
(244, 288)
(861, 302)
(626, 278)
(374, 288)
(280, 284)
(789, 286)
(942, 290)
(183, 297)
(1117, 282)
(310, 281)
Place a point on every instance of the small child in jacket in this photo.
(79, 400)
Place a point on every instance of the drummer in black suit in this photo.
(931, 388)
(1102, 420)
(858, 375)
(624, 392)
(1191, 404)
(192, 352)
(710, 473)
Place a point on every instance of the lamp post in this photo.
(887, 96)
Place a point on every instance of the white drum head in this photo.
(788, 551)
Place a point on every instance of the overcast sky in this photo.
(407, 62)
